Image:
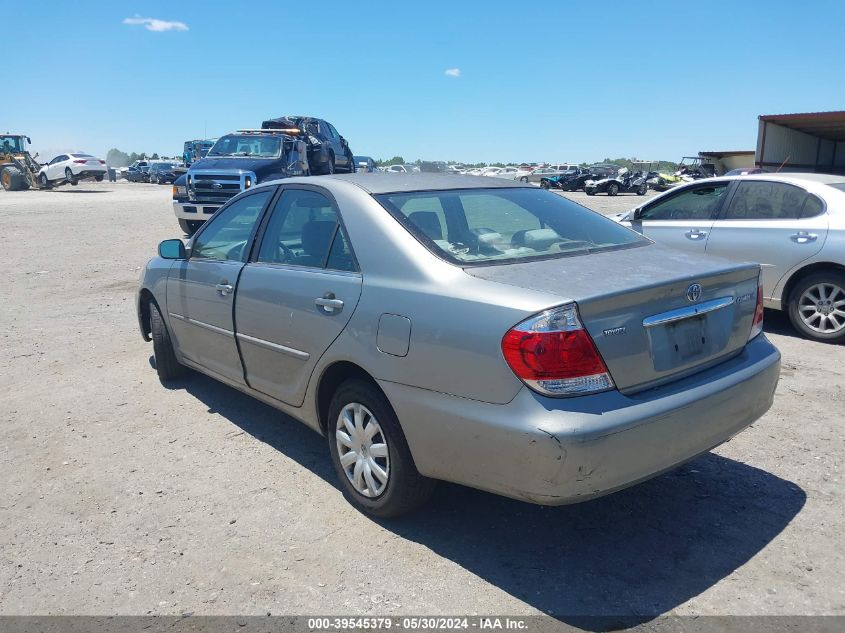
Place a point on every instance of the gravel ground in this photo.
(118, 495)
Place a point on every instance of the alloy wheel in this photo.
(822, 308)
(362, 449)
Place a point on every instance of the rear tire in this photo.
(641, 191)
(523, 179)
(12, 179)
(403, 489)
(590, 192)
(98, 178)
(808, 317)
(612, 189)
(69, 177)
(544, 184)
(167, 367)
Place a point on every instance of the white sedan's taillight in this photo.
(757, 323)
(554, 355)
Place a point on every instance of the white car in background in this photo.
(71, 168)
(507, 172)
(792, 224)
(402, 169)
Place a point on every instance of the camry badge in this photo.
(694, 292)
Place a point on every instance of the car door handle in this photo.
(695, 234)
(329, 303)
(224, 288)
(802, 237)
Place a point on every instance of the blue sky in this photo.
(553, 81)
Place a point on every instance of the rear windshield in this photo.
(838, 185)
(486, 226)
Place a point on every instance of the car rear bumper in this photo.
(194, 210)
(89, 171)
(557, 451)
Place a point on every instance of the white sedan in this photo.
(71, 168)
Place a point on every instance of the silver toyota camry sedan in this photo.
(474, 330)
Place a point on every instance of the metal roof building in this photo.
(809, 142)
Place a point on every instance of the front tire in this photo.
(189, 226)
(43, 181)
(370, 454)
(544, 184)
(612, 189)
(523, 179)
(641, 191)
(817, 307)
(12, 179)
(167, 367)
(590, 192)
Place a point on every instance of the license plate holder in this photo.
(688, 336)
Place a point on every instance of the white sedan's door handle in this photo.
(695, 234)
(802, 237)
(224, 288)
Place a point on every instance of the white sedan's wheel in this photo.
(362, 448)
(822, 308)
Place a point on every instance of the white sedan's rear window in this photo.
(477, 226)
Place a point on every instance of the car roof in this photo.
(401, 182)
(789, 177)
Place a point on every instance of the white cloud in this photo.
(452, 72)
(153, 24)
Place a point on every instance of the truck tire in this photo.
(189, 226)
(12, 179)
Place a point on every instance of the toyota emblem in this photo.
(694, 292)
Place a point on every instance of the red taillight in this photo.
(757, 324)
(81, 162)
(102, 162)
(554, 355)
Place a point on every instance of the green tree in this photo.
(116, 158)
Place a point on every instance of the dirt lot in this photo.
(118, 495)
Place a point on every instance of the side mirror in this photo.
(172, 249)
(637, 215)
(29, 140)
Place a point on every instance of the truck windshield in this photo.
(247, 145)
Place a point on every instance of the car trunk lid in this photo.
(655, 314)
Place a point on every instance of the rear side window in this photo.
(696, 203)
(764, 200)
(480, 226)
(304, 231)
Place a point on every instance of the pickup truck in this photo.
(236, 162)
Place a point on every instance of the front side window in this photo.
(227, 235)
(764, 200)
(304, 231)
(696, 203)
(478, 226)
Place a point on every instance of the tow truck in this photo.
(236, 162)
